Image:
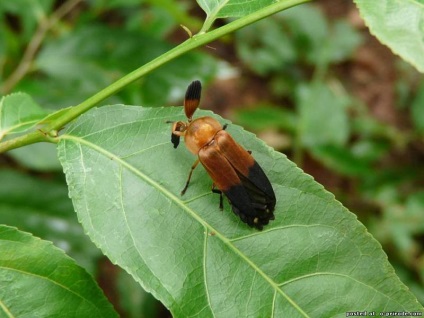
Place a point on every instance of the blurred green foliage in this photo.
(79, 57)
(295, 52)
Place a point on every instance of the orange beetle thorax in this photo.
(200, 132)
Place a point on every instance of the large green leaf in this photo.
(314, 260)
(39, 280)
(399, 24)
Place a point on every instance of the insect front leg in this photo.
(189, 175)
(178, 129)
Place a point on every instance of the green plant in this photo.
(124, 179)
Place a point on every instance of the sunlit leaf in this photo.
(399, 24)
(39, 280)
(314, 260)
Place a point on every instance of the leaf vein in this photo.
(342, 275)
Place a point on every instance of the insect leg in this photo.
(189, 175)
(215, 190)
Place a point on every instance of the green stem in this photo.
(190, 44)
(30, 138)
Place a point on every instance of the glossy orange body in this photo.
(201, 132)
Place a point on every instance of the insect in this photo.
(233, 170)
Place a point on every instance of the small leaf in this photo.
(18, 112)
(39, 280)
(314, 260)
(399, 24)
(229, 8)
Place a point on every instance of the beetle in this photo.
(233, 170)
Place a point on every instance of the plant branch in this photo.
(31, 138)
(192, 43)
(34, 45)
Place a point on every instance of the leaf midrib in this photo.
(182, 204)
